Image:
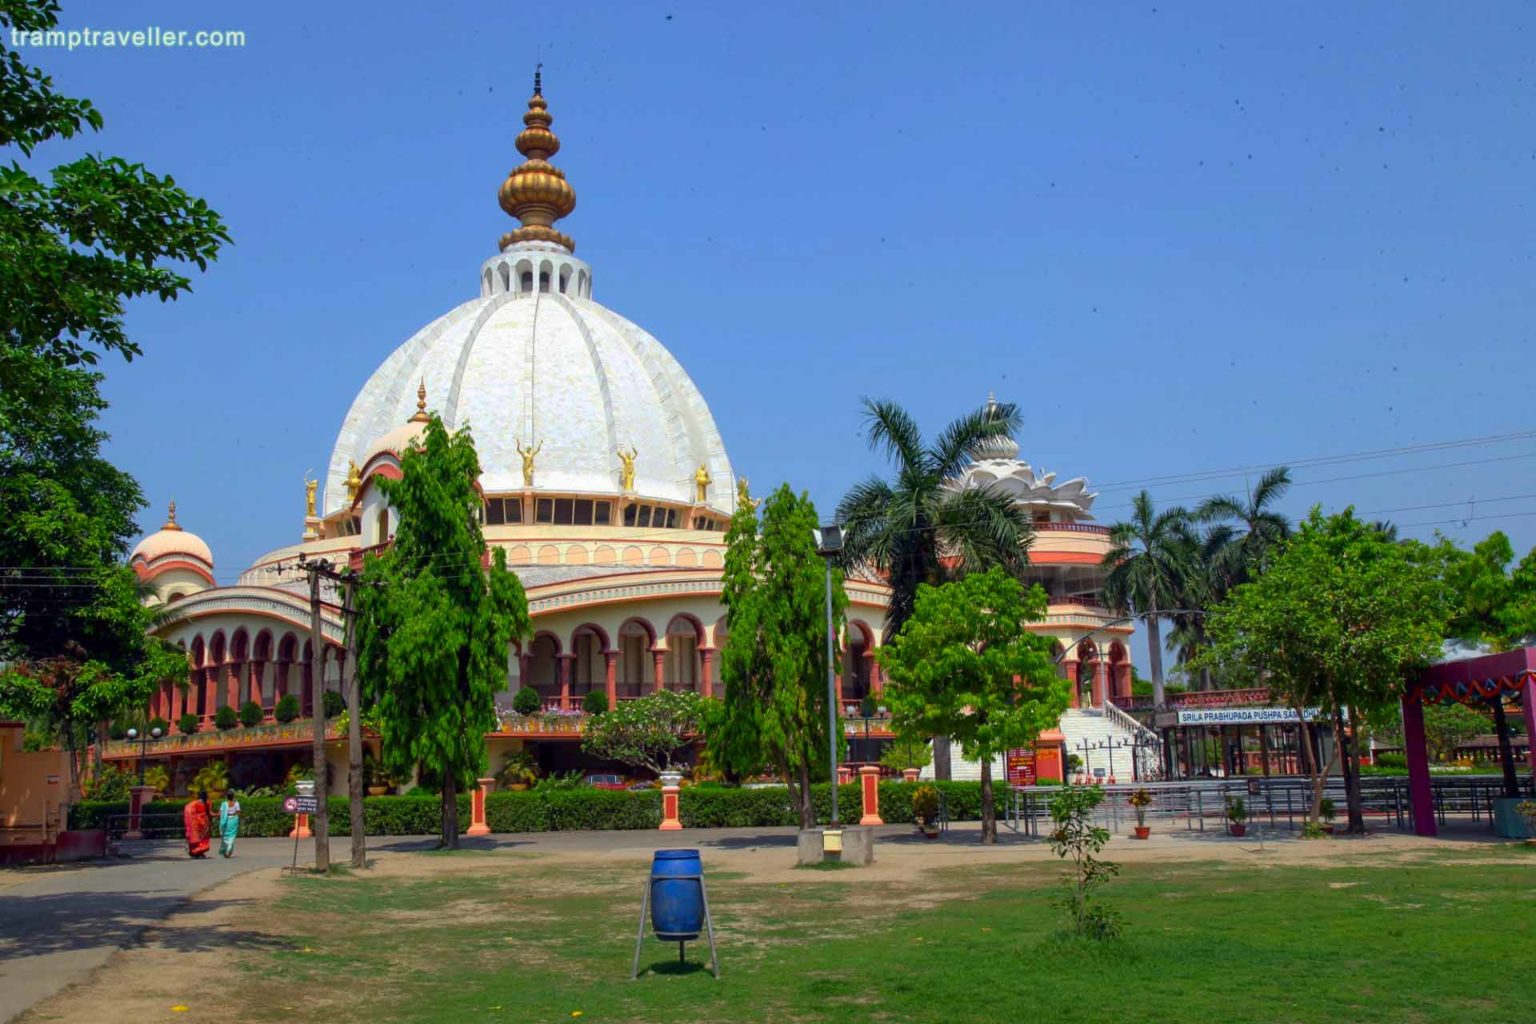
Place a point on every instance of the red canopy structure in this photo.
(1490, 681)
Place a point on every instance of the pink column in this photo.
(611, 676)
(232, 682)
(869, 789)
(1420, 796)
(1098, 682)
(1071, 670)
(138, 796)
(1528, 699)
(477, 825)
(660, 660)
(565, 681)
(257, 670)
(707, 673)
(876, 684)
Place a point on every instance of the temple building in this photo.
(608, 485)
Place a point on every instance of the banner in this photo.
(1246, 716)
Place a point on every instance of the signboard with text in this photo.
(1021, 767)
(1245, 716)
(301, 805)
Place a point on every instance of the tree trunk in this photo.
(988, 804)
(1351, 773)
(1205, 678)
(1155, 657)
(941, 766)
(450, 839)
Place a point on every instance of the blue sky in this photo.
(1182, 237)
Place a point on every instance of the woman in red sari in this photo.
(195, 817)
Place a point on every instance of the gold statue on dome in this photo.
(701, 482)
(354, 480)
(627, 467)
(310, 484)
(743, 495)
(528, 454)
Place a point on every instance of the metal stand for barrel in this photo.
(645, 909)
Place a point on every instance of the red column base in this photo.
(669, 819)
(301, 827)
(138, 796)
(869, 790)
(477, 825)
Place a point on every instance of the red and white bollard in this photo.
(911, 774)
(844, 774)
(869, 790)
(670, 788)
(138, 796)
(477, 825)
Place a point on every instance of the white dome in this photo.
(171, 540)
(549, 368)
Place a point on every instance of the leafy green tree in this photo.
(1448, 726)
(1075, 836)
(1495, 600)
(435, 623)
(99, 232)
(774, 661)
(1148, 563)
(918, 528)
(1339, 619)
(965, 666)
(646, 733)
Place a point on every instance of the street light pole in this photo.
(143, 740)
(829, 541)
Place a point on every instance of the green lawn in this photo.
(1428, 940)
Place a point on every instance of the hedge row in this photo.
(561, 810)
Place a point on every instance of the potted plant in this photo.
(527, 701)
(925, 809)
(375, 778)
(1325, 811)
(1527, 810)
(157, 777)
(1139, 801)
(212, 778)
(1237, 817)
(518, 771)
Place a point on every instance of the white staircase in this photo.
(1098, 728)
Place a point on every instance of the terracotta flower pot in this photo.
(1143, 831)
(1238, 829)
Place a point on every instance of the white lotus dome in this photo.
(171, 542)
(550, 370)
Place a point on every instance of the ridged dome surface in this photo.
(548, 370)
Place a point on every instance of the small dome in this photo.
(396, 441)
(171, 539)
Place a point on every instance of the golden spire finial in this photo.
(170, 518)
(536, 192)
(421, 415)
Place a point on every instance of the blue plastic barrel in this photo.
(677, 904)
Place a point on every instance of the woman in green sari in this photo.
(229, 824)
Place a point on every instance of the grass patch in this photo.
(537, 940)
(826, 865)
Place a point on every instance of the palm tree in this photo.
(1263, 528)
(1206, 581)
(920, 527)
(1149, 562)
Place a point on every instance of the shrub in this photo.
(158, 776)
(1391, 760)
(117, 730)
(527, 701)
(187, 723)
(159, 723)
(595, 702)
(211, 777)
(287, 708)
(110, 783)
(519, 769)
(226, 718)
(250, 714)
(907, 752)
(334, 703)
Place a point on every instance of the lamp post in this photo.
(134, 736)
(829, 541)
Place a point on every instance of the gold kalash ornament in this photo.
(536, 192)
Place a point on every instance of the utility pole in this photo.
(354, 722)
(317, 708)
